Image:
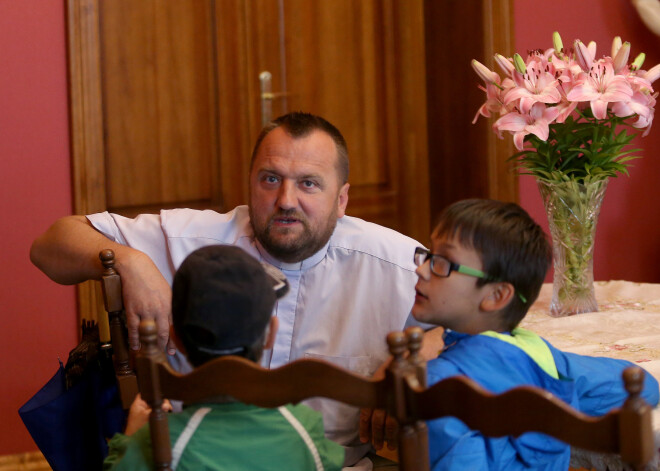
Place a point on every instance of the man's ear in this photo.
(342, 200)
(271, 332)
(498, 296)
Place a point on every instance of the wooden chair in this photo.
(252, 384)
(626, 431)
(402, 393)
(114, 326)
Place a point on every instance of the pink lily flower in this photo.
(583, 55)
(487, 75)
(536, 122)
(621, 58)
(505, 64)
(652, 74)
(642, 103)
(600, 87)
(494, 102)
(565, 108)
(538, 85)
(616, 45)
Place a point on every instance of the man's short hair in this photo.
(299, 124)
(512, 247)
(222, 302)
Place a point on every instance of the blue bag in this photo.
(71, 425)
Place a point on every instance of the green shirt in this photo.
(235, 437)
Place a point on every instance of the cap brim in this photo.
(278, 279)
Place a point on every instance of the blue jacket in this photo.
(592, 385)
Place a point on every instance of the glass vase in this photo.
(572, 209)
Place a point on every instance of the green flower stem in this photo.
(582, 150)
(573, 210)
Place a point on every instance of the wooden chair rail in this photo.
(245, 381)
(524, 409)
(114, 305)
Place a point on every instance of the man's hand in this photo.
(379, 428)
(146, 296)
(375, 425)
(432, 343)
(138, 414)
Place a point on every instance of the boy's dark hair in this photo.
(222, 302)
(299, 124)
(512, 247)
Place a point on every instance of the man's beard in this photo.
(295, 250)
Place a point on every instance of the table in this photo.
(627, 327)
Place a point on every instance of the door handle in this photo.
(267, 97)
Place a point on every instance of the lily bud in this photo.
(621, 58)
(639, 60)
(519, 63)
(484, 72)
(504, 63)
(582, 55)
(616, 45)
(653, 73)
(556, 43)
(592, 49)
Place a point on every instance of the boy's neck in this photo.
(485, 322)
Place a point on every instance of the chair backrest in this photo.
(251, 384)
(626, 431)
(402, 393)
(118, 342)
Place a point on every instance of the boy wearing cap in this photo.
(222, 303)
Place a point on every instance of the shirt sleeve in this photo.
(599, 381)
(116, 449)
(143, 233)
(129, 453)
(453, 446)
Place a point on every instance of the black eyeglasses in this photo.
(442, 266)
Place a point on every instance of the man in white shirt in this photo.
(351, 281)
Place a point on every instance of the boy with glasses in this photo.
(487, 263)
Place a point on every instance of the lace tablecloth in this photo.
(627, 327)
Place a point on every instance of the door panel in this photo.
(158, 69)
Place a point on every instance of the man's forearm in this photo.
(68, 252)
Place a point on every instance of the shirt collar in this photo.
(297, 266)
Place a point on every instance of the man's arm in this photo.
(68, 252)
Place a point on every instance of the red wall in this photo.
(38, 316)
(628, 235)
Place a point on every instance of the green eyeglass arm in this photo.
(471, 271)
(479, 274)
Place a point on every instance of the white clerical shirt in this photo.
(342, 302)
